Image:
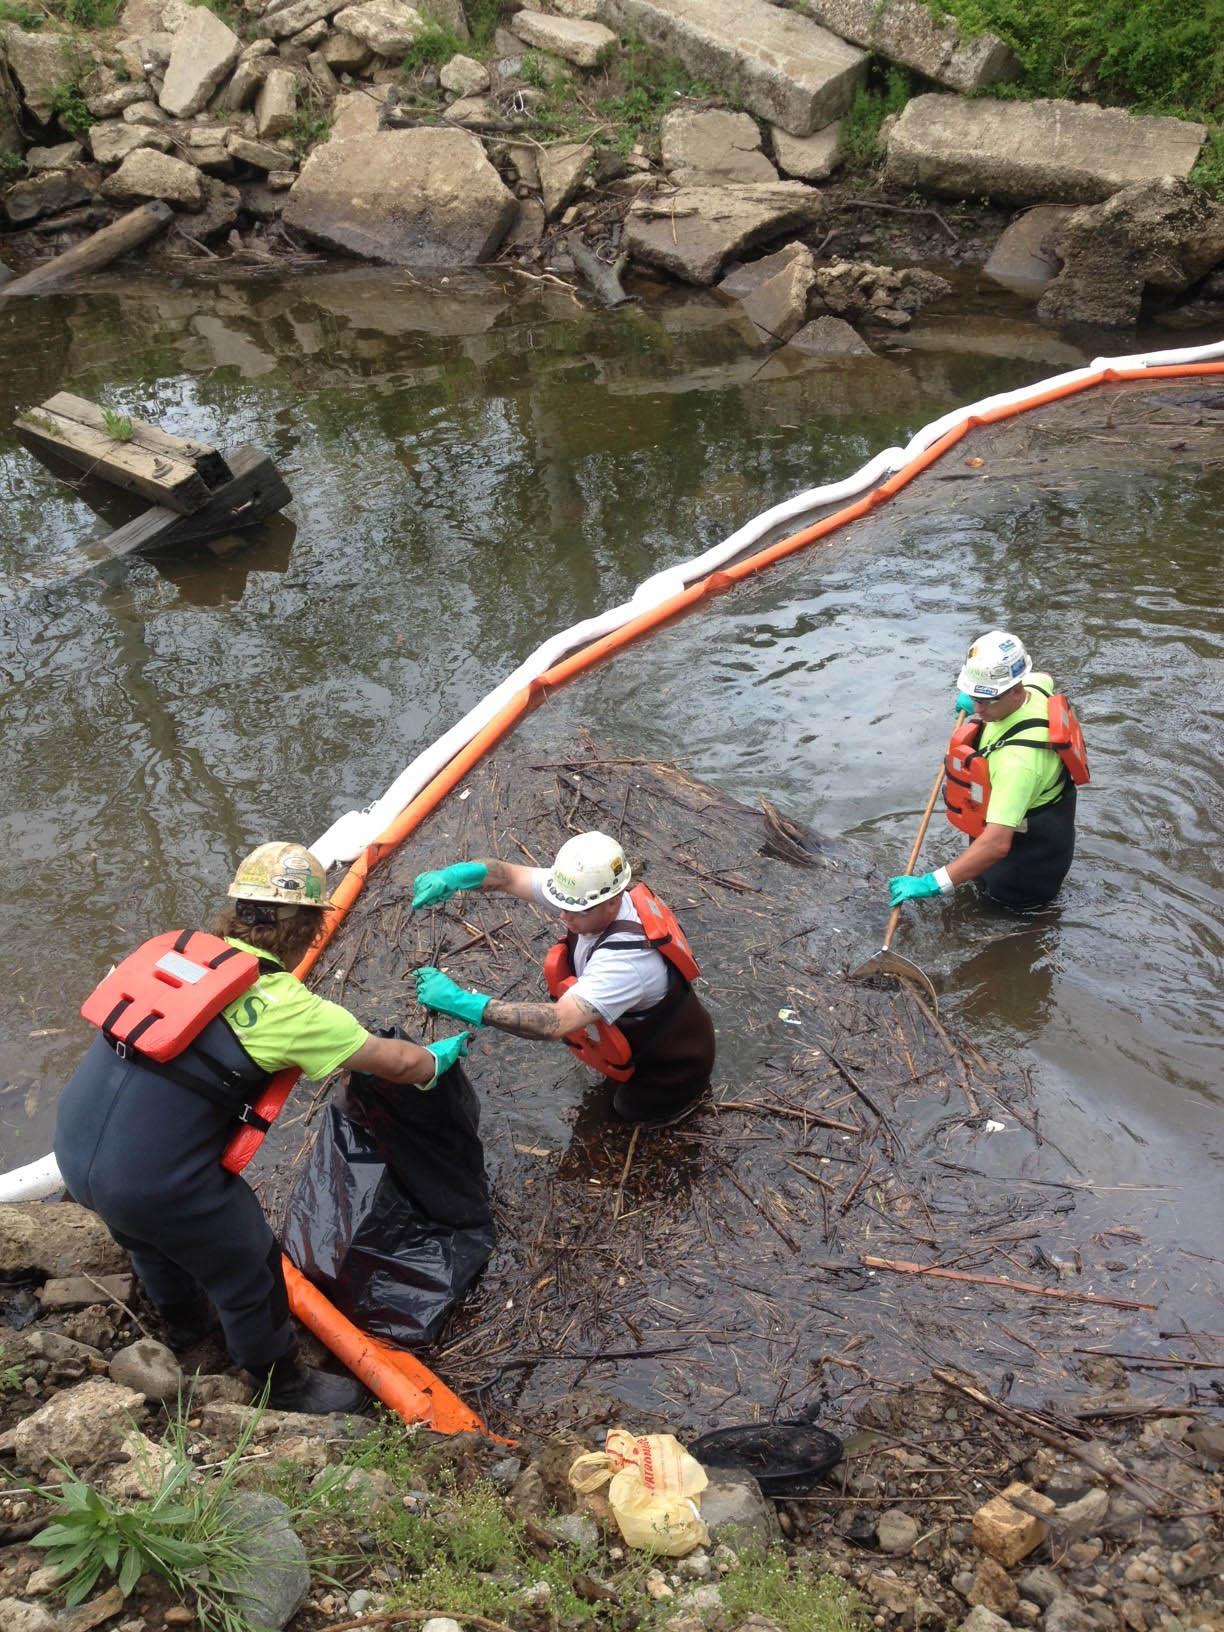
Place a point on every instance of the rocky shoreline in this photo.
(599, 140)
(948, 1508)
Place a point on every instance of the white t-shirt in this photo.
(617, 980)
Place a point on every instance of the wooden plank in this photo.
(130, 229)
(207, 461)
(256, 490)
(164, 481)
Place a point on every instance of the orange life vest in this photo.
(967, 771)
(609, 1051)
(160, 998)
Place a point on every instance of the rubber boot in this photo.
(295, 1387)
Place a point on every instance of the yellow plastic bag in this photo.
(652, 1488)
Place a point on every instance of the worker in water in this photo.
(1011, 772)
(620, 981)
(191, 1028)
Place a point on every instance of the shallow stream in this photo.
(475, 466)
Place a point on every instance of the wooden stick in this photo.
(782, 1110)
(102, 248)
(903, 1267)
(620, 1188)
(1087, 1451)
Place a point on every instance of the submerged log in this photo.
(97, 251)
(603, 279)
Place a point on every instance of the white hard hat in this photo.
(995, 664)
(588, 869)
(281, 872)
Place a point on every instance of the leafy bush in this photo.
(1163, 56)
(12, 167)
(887, 91)
(68, 106)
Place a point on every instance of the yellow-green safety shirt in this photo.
(1021, 779)
(279, 1023)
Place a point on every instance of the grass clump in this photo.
(24, 16)
(887, 91)
(796, 1600)
(118, 426)
(193, 1532)
(434, 46)
(92, 13)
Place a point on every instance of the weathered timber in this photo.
(99, 250)
(185, 449)
(166, 481)
(605, 280)
(255, 490)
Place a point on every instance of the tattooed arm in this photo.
(550, 1021)
(508, 878)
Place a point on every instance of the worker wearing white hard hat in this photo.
(620, 982)
(1011, 771)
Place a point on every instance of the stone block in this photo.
(1006, 1531)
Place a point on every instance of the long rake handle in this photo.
(894, 917)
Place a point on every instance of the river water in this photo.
(475, 466)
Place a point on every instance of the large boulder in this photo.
(1163, 236)
(39, 64)
(426, 197)
(388, 27)
(59, 1239)
(205, 50)
(694, 232)
(1043, 152)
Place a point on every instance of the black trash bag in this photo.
(391, 1218)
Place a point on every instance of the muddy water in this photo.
(474, 467)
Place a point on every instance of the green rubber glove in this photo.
(908, 888)
(964, 703)
(438, 991)
(430, 888)
(445, 1052)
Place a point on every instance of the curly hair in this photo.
(285, 932)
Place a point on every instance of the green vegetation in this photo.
(1163, 56)
(435, 45)
(117, 425)
(12, 167)
(11, 1377)
(192, 1532)
(68, 106)
(887, 91)
(483, 17)
(800, 1602)
(92, 13)
(23, 16)
(311, 124)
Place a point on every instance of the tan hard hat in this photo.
(281, 872)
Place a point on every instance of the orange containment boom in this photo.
(398, 1378)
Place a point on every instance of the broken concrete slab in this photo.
(909, 32)
(808, 158)
(706, 147)
(782, 67)
(39, 63)
(1043, 152)
(205, 50)
(148, 174)
(695, 231)
(585, 44)
(112, 141)
(388, 27)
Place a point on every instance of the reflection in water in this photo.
(472, 470)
